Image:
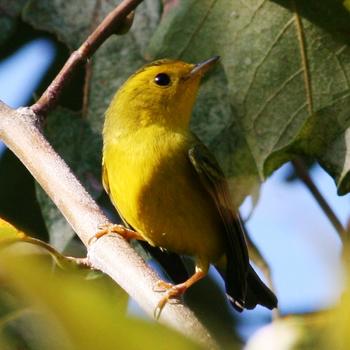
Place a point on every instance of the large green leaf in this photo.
(287, 63)
(215, 121)
(119, 57)
(70, 21)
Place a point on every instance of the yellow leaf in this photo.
(9, 231)
(346, 3)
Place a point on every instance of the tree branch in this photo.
(303, 174)
(112, 255)
(114, 22)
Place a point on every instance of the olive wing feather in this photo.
(213, 180)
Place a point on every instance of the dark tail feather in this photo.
(257, 292)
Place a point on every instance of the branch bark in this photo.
(112, 255)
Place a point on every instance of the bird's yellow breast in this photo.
(153, 185)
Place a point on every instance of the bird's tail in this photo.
(257, 292)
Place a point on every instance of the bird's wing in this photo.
(171, 262)
(213, 180)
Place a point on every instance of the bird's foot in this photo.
(171, 292)
(106, 229)
(162, 286)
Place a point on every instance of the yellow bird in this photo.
(168, 187)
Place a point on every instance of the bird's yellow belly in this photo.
(165, 203)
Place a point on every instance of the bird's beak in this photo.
(202, 67)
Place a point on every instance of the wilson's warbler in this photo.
(168, 187)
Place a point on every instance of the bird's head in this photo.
(162, 92)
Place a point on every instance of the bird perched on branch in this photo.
(167, 185)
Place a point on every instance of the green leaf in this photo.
(346, 3)
(286, 62)
(9, 10)
(118, 57)
(6, 28)
(70, 21)
(74, 140)
(215, 122)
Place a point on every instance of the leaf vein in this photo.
(304, 58)
(341, 50)
(341, 66)
(247, 25)
(287, 125)
(278, 37)
(274, 94)
(198, 28)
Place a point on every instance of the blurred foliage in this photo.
(69, 311)
(296, 332)
(347, 4)
(322, 330)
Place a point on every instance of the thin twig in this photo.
(111, 24)
(303, 174)
(88, 65)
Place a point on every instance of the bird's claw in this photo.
(162, 286)
(173, 293)
(105, 229)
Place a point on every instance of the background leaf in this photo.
(285, 62)
(119, 57)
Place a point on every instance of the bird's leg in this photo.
(118, 229)
(176, 291)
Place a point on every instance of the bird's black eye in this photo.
(162, 79)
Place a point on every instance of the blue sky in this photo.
(21, 73)
(288, 226)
